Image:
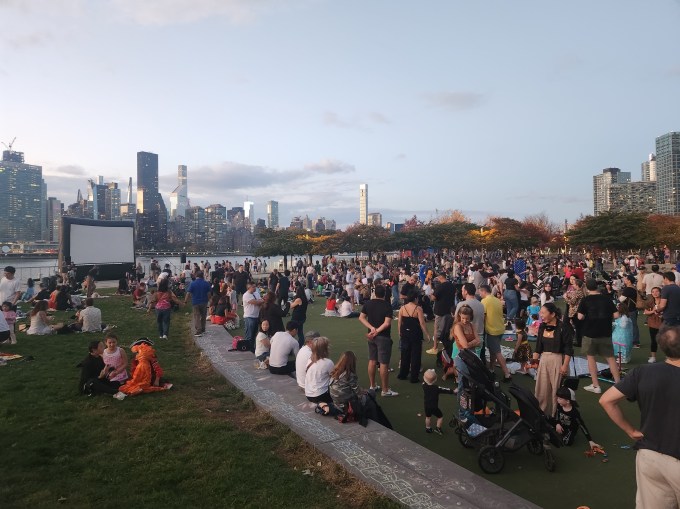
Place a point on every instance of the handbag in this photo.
(569, 381)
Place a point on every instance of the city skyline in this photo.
(471, 99)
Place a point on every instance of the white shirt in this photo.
(318, 377)
(345, 308)
(251, 310)
(3, 323)
(301, 361)
(259, 347)
(9, 289)
(92, 319)
(651, 280)
(283, 344)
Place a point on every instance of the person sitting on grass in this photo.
(345, 309)
(568, 420)
(41, 324)
(330, 306)
(283, 344)
(318, 373)
(116, 357)
(146, 372)
(9, 311)
(431, 394)
(43, 294)
(94, 373)
(89, 319)
(139, 298)
(30, 290)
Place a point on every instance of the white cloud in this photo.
(455, 101)
(329, 166)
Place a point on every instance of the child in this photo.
(568, 419)
(115, 357)
(431, 393)
(10, 313)
(262, 344)
(522, 352)
(532, 310)
(622, 334)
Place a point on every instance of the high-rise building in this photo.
(633, 197)
(649, 169)
(179, 198)
(53, 211)
(249, 213)
(602, 186)
(668, 173)
(22, 209)
(112, 202)
(216, 226)
(374, 219)
(329, 224)
(320, 225)
(235, 216)
(363, 203)
(195, 226)
(128, 210)
(152, 215)
(272, 214)
(296, 223)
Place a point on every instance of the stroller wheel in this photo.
(549, 460)
(535, 446)
(465, 440)
(491, 460)
(454, 424)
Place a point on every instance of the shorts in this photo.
(600, 346)
(380, 349)
(4, 336)
(493, 343)
(429, 412)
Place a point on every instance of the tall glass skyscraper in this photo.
(363, 204)
(152, 215)
(22, 208)
(668, 173)
(273, 214)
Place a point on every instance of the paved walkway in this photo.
(392, 464)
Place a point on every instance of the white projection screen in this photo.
(98, 245)
(108, 245)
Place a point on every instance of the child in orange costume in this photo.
(146, 373)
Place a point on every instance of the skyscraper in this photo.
(216, 226)
(249, 212)
(21, 199)
(54, 210)
(272, 214)
(179, 198)
(649, 169)
(128, 210)
(602, 187)
(668, 173)
(363, 203)
(374, 219)
(152, 215)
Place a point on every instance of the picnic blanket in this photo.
(9, 356)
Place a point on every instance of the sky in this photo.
(489, 107)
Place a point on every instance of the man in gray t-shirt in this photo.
(477, 307)
(669, 304)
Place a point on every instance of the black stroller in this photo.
(487, 421)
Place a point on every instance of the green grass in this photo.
(202, 444)
(577, 481)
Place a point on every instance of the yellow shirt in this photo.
(494, 323)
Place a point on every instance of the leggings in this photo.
(652, 334)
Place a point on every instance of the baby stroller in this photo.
(501, 429)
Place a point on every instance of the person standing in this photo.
(494, 326)
(299, 311)
(669, 302)
(412, 330)
(241, 278)
(444, 296)
(10, 287)
(629, 291)
(655, 388)
(283, 287)
(597, 312)
(199, 290)
(468, 292)
(251, 313)
(376, 315)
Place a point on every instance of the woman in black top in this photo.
(273, 313)
(554, 350)
(299, 314)
(94, 374)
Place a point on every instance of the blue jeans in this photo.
(633, 315)
(511, 304)
(163, 321)
(395, 297)
(251, 331)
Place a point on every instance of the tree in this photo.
(362, 237)
(611, 230)
(453, 216)
(665, 230)
(541, 227)
(280, 242)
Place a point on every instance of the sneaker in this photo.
(165, 336)
(120, 396)
(636, 345)
(389, 393)
(651, 360)
(438, 431)
(593, 388)
(432, 351)
(428, 430)
(198, 334)
(376, 388)
(167, 386)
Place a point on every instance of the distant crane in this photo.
(11, 143)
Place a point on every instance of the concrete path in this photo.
(392, 464)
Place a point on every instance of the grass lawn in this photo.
(201, 444)
(577, 481)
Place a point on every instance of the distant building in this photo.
(272, 214)
(668, 173)
(363, 204)
(633, 197)
(296, 223)
(374, 219)
(128, 209)
(307, 224)
(195, 226)
(249, 213)
(329, 224)
(602, 187)
(235, 217)
(152, 215)
(179, 198)
(319, 225)
(394, 227)
(649, 169)
(22, 209)
(54, 210)
(216, 226)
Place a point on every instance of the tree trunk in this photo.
(285, 262)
